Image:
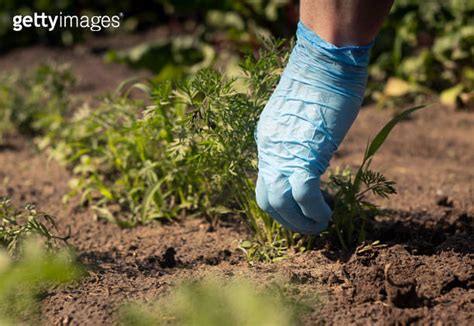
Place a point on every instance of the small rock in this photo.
(211, 229)
(168, 260)
(445, 201)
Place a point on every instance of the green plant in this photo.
(351, 209)
(30, 262)
(35, 102)
(16, 225)
(168, 59)
(427, 46)
(239, 25)
(192, 149)
(24, 279)
(211, 302)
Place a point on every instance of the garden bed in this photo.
(422, 270)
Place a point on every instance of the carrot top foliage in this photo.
(186, 148)
(17, 225)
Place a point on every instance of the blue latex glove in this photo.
(308, 115)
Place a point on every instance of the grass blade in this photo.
(383, 134)
(150, 198)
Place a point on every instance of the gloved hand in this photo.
(308, 115)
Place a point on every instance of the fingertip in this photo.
(307, 194)
(261, 195)
(276, 198)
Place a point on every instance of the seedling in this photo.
(16, 225)
(351, 209)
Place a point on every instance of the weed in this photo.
(18, 224)
(351, 210)
(30, 261)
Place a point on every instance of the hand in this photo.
(308, 115)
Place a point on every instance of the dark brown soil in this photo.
(423, 271)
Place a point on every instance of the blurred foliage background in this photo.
(424, 48)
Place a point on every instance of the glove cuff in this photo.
(353, 55)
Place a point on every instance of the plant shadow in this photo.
(419, 232)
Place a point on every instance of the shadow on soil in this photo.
(425, 234)
(419, 232)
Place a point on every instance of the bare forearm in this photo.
(345, 22)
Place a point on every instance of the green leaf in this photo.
(245, 244)
(450, 96)
(105, 191)
(383, 134)
(150, 196)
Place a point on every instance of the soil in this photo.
(422, 271)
